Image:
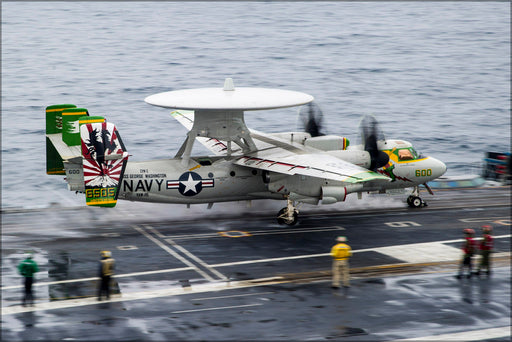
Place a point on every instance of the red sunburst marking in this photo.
(110, 169)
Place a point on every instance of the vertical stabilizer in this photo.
(104, 160)
(54, 164)
(70, 125)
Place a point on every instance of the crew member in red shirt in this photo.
(468, 249)
(486, 246)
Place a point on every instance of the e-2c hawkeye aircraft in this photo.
(296, 167)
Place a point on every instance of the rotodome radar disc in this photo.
(229, 98)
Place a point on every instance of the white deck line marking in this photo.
(425, 252)
(152, 272)
(173, 253)
(219, 308)
(389, 250)
(190, 255)
(472, 335)
(274, 232)
(135, 274)
(250, 262)
(154, 231)
(130, 296)
(198, 260)
(422, 252)
(233, 296)
(460, 240)
(247, 262)
(257, 232)
(483, 219)
(50, 283)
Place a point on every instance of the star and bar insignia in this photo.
(190, 184)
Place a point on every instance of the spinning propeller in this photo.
(311, 116)
(370, 135)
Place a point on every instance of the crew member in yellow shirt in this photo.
(340, 267)
(106, 270)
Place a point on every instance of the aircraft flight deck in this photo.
(232, 273)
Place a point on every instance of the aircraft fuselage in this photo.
(218, 179)
(168, 181)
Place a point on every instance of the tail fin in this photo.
(54, 163)
(104, 160)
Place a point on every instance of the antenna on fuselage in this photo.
(228, 84)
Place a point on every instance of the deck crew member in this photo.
(468, 249)
(486, 246)
(27, 268)
(340, 267)
(106, 270)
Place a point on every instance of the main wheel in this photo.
(282, 217)
(414, 201)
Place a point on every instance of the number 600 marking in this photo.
(424, 173)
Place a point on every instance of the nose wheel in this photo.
(289, 215)
(414, 200)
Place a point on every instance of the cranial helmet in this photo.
(487, 229)
(106, 254)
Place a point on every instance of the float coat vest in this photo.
(27, 268)
(341, 251)
(487, 243)
(106, 267)
(469, 246)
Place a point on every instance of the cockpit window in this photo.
(407, 154)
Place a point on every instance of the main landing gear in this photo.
(414, 200)
(289, 215)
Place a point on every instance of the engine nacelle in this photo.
(303, 199)
(333, 194)
(323, 142)
(328, 143)
(292, 137)
(357, 157)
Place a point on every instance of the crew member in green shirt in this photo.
(27, 268)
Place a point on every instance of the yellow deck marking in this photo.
(234, 234)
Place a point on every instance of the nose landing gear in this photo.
(414, 200)
(289, 215)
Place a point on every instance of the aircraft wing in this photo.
(320, 165)
(277, 155)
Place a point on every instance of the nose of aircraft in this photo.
(438, 168)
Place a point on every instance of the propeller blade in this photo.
(311, 117)
(370, 135)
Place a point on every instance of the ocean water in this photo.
(434, 73)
